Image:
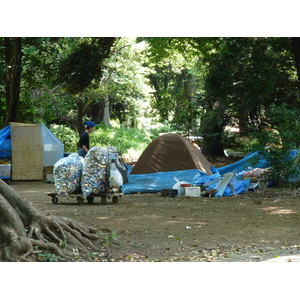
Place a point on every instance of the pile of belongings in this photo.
(90, 175)
(223, 185)
(94, 171)
(67, 174)
(256, 172)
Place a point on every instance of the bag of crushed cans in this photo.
(94, 174)
(67, 174)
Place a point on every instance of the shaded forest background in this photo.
(196, 86)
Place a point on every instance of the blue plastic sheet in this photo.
(5, 142)
(155, 182)
(239, 186)
(251, 161)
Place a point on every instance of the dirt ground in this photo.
(257, 226)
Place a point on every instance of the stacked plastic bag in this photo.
(94, 172)
(67, 174)
(115, 177)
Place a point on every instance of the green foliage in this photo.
(109, 237)
(49, 257)
(67, 136)
(248, 74)
(84, 64)
(177, 77)
(92, 255)
(275, 146)
(177, 81)
(124, 80)
(212, 131)
(133, 141)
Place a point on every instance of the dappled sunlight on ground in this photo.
(277, 210)
(150, 227)
(285, 258)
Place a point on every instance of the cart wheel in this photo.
(90, 199)
(115, 199)
(54, 200)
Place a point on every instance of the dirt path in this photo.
(149, 227)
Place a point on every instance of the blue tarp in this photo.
(5, 142)
(251, 161)
(155, 182)
(53, 149)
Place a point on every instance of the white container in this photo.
(5, 170)
(50, 177)
(193, 191)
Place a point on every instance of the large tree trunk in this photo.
(26, 232)
(243, 123)
(79, 116)
(13, 58)
(106, 112)
(296, 49)
(212, 130)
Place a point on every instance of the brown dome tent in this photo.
(171, 152)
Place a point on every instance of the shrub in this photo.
(286, 123)
(67, 136)
(133, 141)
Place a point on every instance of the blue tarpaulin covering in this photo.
(5, 142)
(251, 161)
(53, 149)
(155, 182)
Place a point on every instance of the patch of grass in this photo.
(49, 257)
(133, 141)
(109, 237)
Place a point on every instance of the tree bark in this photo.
(26, 232)
(106, 112)
(243, 123)
(13, 59)
(79, 116)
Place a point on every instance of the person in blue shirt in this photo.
(84, 141)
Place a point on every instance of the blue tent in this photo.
(5, 142)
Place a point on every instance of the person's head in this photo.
(90, 126)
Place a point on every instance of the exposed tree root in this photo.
(27, 233)
(50, 234)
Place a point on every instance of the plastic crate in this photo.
(169, 192)
(5, 170)
(193, 191)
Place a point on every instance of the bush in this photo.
(286, 123)
(133, 141)
(66, 135)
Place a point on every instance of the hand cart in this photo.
(90, 199)
(110, 192)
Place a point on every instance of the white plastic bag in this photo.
(115, 178)
(177, 186)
